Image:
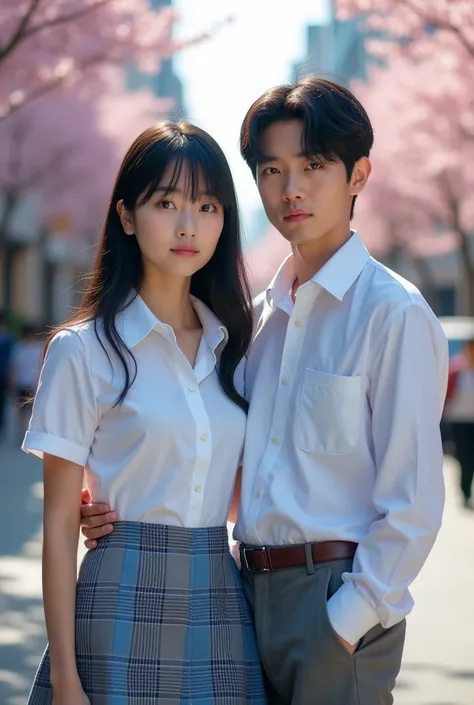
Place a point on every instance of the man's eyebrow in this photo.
(268, 158)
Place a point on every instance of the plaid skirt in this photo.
(161, 618)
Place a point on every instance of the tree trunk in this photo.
(467, 265)
(427, 282)
(8, 249)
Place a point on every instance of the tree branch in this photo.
(10, 199)
(48, 86)
(19, 34)
(64, 19)
(440, 24)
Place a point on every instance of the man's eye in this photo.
(270, 170)
(314, 166)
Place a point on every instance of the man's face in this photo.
(304, 198)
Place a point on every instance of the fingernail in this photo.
(114, 515)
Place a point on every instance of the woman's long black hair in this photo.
(118, 271)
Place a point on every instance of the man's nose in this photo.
(292, 190)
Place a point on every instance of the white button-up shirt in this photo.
(346, 389)
(170, 452)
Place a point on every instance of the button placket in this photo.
(195, 401)
(289, 362)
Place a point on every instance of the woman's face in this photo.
(175, 235)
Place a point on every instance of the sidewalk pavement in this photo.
(438, 666)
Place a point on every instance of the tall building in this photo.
(166, 83)
(336, 50)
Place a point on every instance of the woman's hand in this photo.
(235, 553)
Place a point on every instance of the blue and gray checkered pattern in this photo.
(161, 618)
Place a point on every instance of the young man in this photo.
(342, 489)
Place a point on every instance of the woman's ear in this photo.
(126, 218)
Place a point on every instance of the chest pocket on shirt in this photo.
(329, 413)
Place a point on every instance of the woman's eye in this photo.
(167, 205)
(209, 208)
(270, 170)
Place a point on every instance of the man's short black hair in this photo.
(336, 126)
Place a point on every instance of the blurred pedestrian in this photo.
(459, 413)
(141, 393)
(24, 372)
(6, 346)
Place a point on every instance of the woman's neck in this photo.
(169, 299)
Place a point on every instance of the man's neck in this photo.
(312, 256)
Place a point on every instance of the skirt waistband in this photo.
(161, 537)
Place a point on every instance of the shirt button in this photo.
(204, 437)
(192, 387)
(285, 380)
(275, 440)
(299, 323)
(198, 488)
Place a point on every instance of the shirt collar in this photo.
(136, 321)
(214, 331)
(336, 277)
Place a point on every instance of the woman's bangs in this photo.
(201, 169)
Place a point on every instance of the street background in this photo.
(80, 79)
(438, 666)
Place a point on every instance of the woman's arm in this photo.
(62, 502)
(234, 507)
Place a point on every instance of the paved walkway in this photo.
(439, 656)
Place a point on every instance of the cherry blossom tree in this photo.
(422, 106)
(46, 44)
(63, 150)
(414, 25)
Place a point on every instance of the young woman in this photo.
(142, 392)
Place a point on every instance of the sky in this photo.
(225, 74)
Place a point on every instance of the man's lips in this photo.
(296, 216)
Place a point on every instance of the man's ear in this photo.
(360, 176)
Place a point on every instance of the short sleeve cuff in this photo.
(39, 443)
(350, 615)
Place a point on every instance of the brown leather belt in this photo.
(263, 559)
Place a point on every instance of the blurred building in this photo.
(437, 276)
(337, 50)
(40, 264)
(165, 83)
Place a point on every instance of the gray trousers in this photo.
(304, 661)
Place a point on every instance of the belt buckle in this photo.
(257, 549)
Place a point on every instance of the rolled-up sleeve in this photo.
(65, 414)
(408, 371)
